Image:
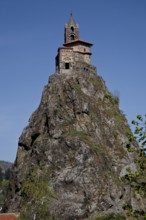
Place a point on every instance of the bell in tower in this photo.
(71, 31)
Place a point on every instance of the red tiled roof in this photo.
(77, 40)
(8, 217)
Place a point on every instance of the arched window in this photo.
(72, 29)
(72, 37)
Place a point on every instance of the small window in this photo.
(84, 50)
(66, 66)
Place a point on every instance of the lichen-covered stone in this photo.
(79, 135)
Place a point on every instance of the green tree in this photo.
(37, 196)
(140, 131)
(4, 188)
(137, 180)
(1, 175)
(139, 135)
(4, 183)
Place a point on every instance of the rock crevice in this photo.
(79, 135)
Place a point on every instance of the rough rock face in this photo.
(79, 135)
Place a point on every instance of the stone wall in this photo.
(77, 67)
(84, 67)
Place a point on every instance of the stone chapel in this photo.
(75, 54)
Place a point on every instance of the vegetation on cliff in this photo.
(74, 159)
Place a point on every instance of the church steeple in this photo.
(71, 31)
(74, 54)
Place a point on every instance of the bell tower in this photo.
(71, 31)
(75, 54)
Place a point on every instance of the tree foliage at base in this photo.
(37, 196)
(4, 183)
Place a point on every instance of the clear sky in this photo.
(31, 32)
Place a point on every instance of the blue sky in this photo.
(31, 32)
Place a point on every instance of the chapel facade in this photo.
(75, 53)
